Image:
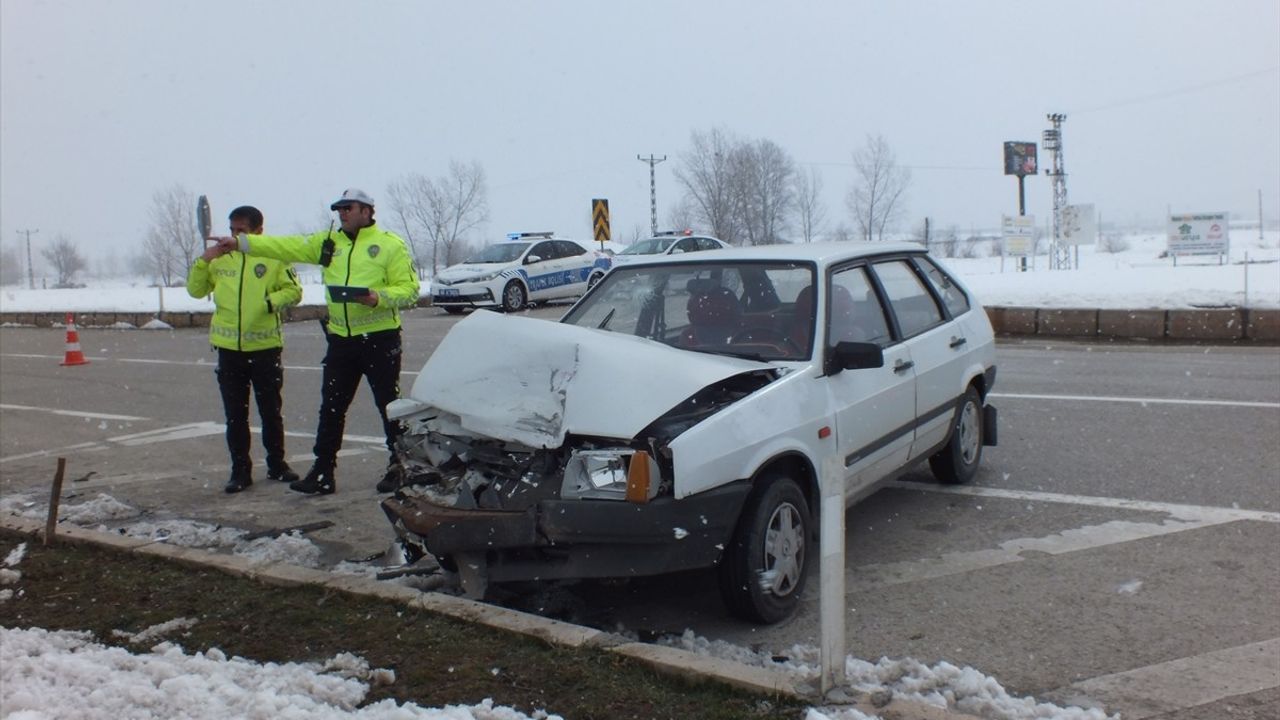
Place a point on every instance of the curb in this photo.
(666, 660)
(1259, 326)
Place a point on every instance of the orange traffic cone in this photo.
(74, 356)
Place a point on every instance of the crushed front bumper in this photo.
(579, 538)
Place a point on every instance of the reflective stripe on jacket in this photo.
(376, 259)
(248, 295)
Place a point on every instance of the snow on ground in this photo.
(30, 658)
(1134, 278)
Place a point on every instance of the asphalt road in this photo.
(1119, 546)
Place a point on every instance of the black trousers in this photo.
(238, 371)
(375, 357)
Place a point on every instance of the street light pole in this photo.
(31, 273)
(653, 190)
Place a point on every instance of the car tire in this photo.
(762, 572)
(513, 297)
(957, 462)
(595, 278)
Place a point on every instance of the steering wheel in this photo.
(767, 336)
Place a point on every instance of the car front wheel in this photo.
(762, 572)
(957, 462)
(513, 297)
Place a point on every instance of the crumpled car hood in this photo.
(531, 381)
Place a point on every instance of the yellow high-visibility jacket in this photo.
(248, 295)
(375, 258)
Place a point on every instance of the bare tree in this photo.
(763, 176)
(875, 199)
(811, 214)
(437, 214)
(707, 174)
(172, 243)
(65, 258)
(10, 266)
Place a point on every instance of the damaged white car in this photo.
(684, 414)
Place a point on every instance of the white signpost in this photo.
(1198, 234)
(1018, 234)
(831, 600)
(1079, 225)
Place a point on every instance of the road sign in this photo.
(1198, 234)
(1019, 232)
(600, 219)
(1079, 225)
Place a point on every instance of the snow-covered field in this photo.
(1134, 278)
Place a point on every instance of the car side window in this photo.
(952, 296)
(912, 303)
(706, 244)
(569, 249)
(855, 313)
(543, 251)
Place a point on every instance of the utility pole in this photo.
(31, 273)
(1059, 254)
(653, 191)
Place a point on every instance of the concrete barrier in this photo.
(1067, 323)
(1227, 324)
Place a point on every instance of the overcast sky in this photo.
(1171, 104)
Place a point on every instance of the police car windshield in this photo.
(499, 253)
(648, 247)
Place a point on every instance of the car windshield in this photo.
(757, 310)
(499, 253)
(648, 247)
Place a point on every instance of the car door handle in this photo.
(901, 367)
(957, 342)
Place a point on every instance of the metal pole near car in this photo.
(831, 604)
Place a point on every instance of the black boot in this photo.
(281, 472)
(240, 480)
(392, 480)
(318, 481)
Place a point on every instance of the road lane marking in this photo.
(1182, 518)
(73, 413)
(1185, 512)
(1182, 683)
(1138, 400)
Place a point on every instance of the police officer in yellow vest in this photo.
(248, 295)
(364, 324)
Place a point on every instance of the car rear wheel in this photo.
(762, 572)
(957, 462)
(513, 297)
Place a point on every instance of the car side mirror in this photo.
(852, 356)
(532, 259)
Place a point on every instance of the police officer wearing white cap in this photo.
(370, 277)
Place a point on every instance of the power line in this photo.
(1180, 91)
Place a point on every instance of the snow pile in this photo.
(97, 510)
(943, 684)
(155, 631)
(157, 324)
(9, 576)
(65, 674)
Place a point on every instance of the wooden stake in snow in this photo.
(52, 522)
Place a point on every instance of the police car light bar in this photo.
(546, 234)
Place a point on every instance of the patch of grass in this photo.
(438, 660)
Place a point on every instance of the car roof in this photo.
(821, 253)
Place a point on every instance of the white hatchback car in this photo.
(668, 243)
(528, 268)
(687, 412)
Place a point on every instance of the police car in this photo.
(668, 242)
(527, 268)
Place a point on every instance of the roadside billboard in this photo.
(1199, 234)
(1019, 158)
(1079, 225)
(1019, 233)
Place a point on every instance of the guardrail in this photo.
(1193, 325)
